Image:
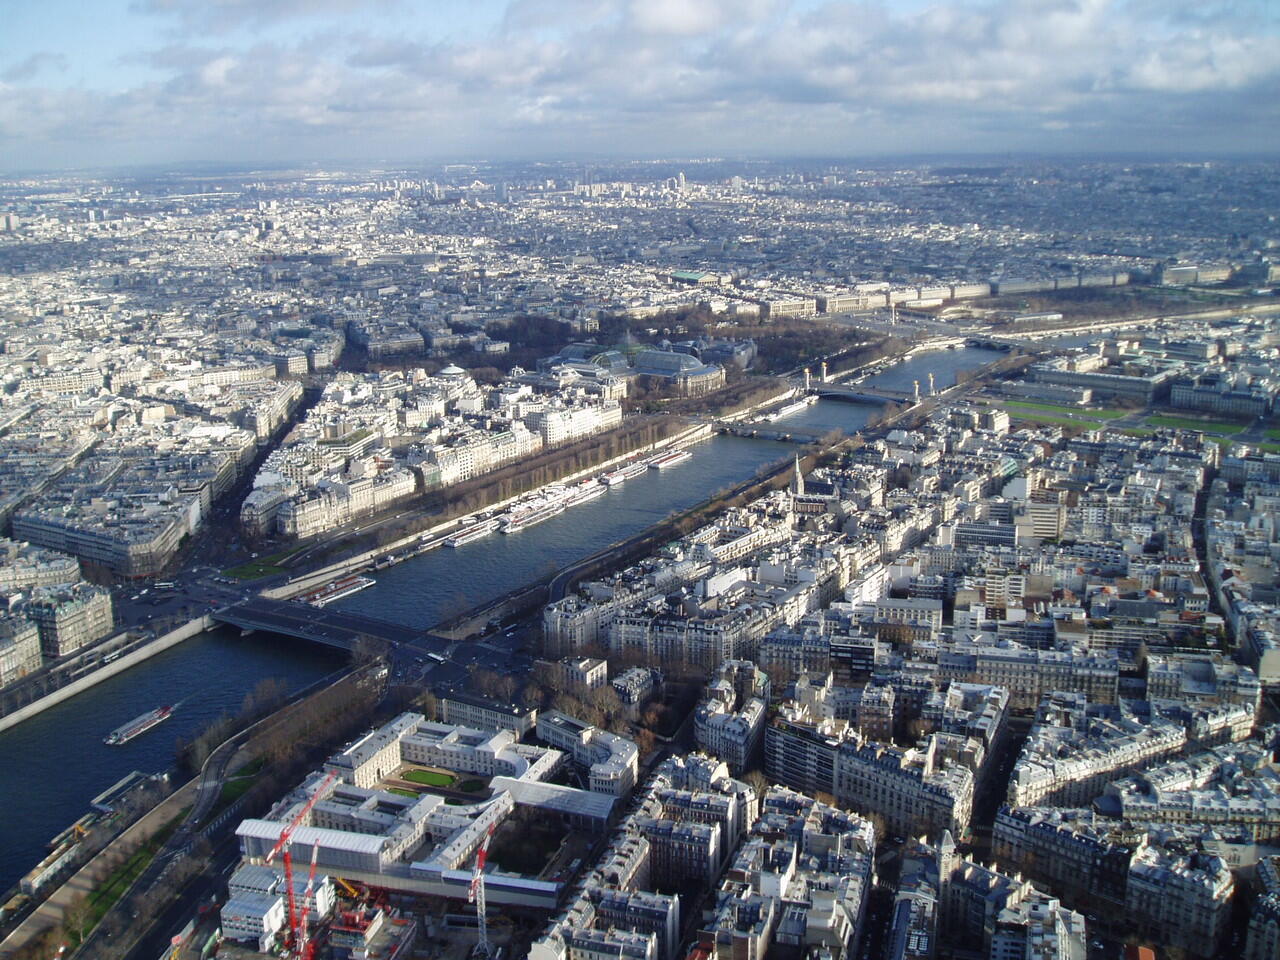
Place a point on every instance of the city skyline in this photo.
(177, 82)
(640, 479)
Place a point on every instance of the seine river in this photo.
(55, 763)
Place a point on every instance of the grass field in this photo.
(1273, 434)
(1104, 414)
(471, 786)
(1204, 426)
(262, 567)
(429, 778)
(1038, 416)
(250, 769)
(237, 784)
(402, 792)
(233, 790)
(105, 895)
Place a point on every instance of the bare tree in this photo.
(756, 780)
(428, 703)
(77, 917)
(646, 741)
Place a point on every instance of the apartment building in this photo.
(729, 722)
(68, 617)
(917, 791)
(1183, 899)
(468, 710)
(800, 750)
(20, 648)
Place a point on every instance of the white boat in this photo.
(138, 726)
(337, 590)
(515, 522)
(471, 533)
(588, 490)
(793, 407)
(669, 459)
(626, 473)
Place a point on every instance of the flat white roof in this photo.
(557, 798)
(321, 836)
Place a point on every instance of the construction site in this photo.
(419, 838)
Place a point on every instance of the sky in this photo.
(99, 83)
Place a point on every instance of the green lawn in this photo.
(233, 790)
(1273, 434)
(1270, 447)
(1189, 423)
(250, 769)
(471, 786)
(429, 778)
(1104, 414)
(402, 792)
(1036, 416)
(237, 784)
(110, 890)
(261, 567)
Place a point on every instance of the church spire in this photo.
(797, 485)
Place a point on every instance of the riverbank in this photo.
(408, 547)
(435, 588)
(527, 598)
(53, 911)
(185, 632)
(166, 834)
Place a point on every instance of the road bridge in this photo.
(319, 624)
(994, 342)
(862, 393)
(774, 431)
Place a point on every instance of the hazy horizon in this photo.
(269, 83)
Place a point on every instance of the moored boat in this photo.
(515, 522)
(472, 533)
(670, 459)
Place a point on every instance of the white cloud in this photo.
(222, 15)
(27, 68)
(620, 76)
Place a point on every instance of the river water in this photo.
(52, 765)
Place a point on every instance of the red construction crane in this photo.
(294, 944)
(475, 894)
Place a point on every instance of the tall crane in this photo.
(306, 948)
(475, 894)
(286, 839)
